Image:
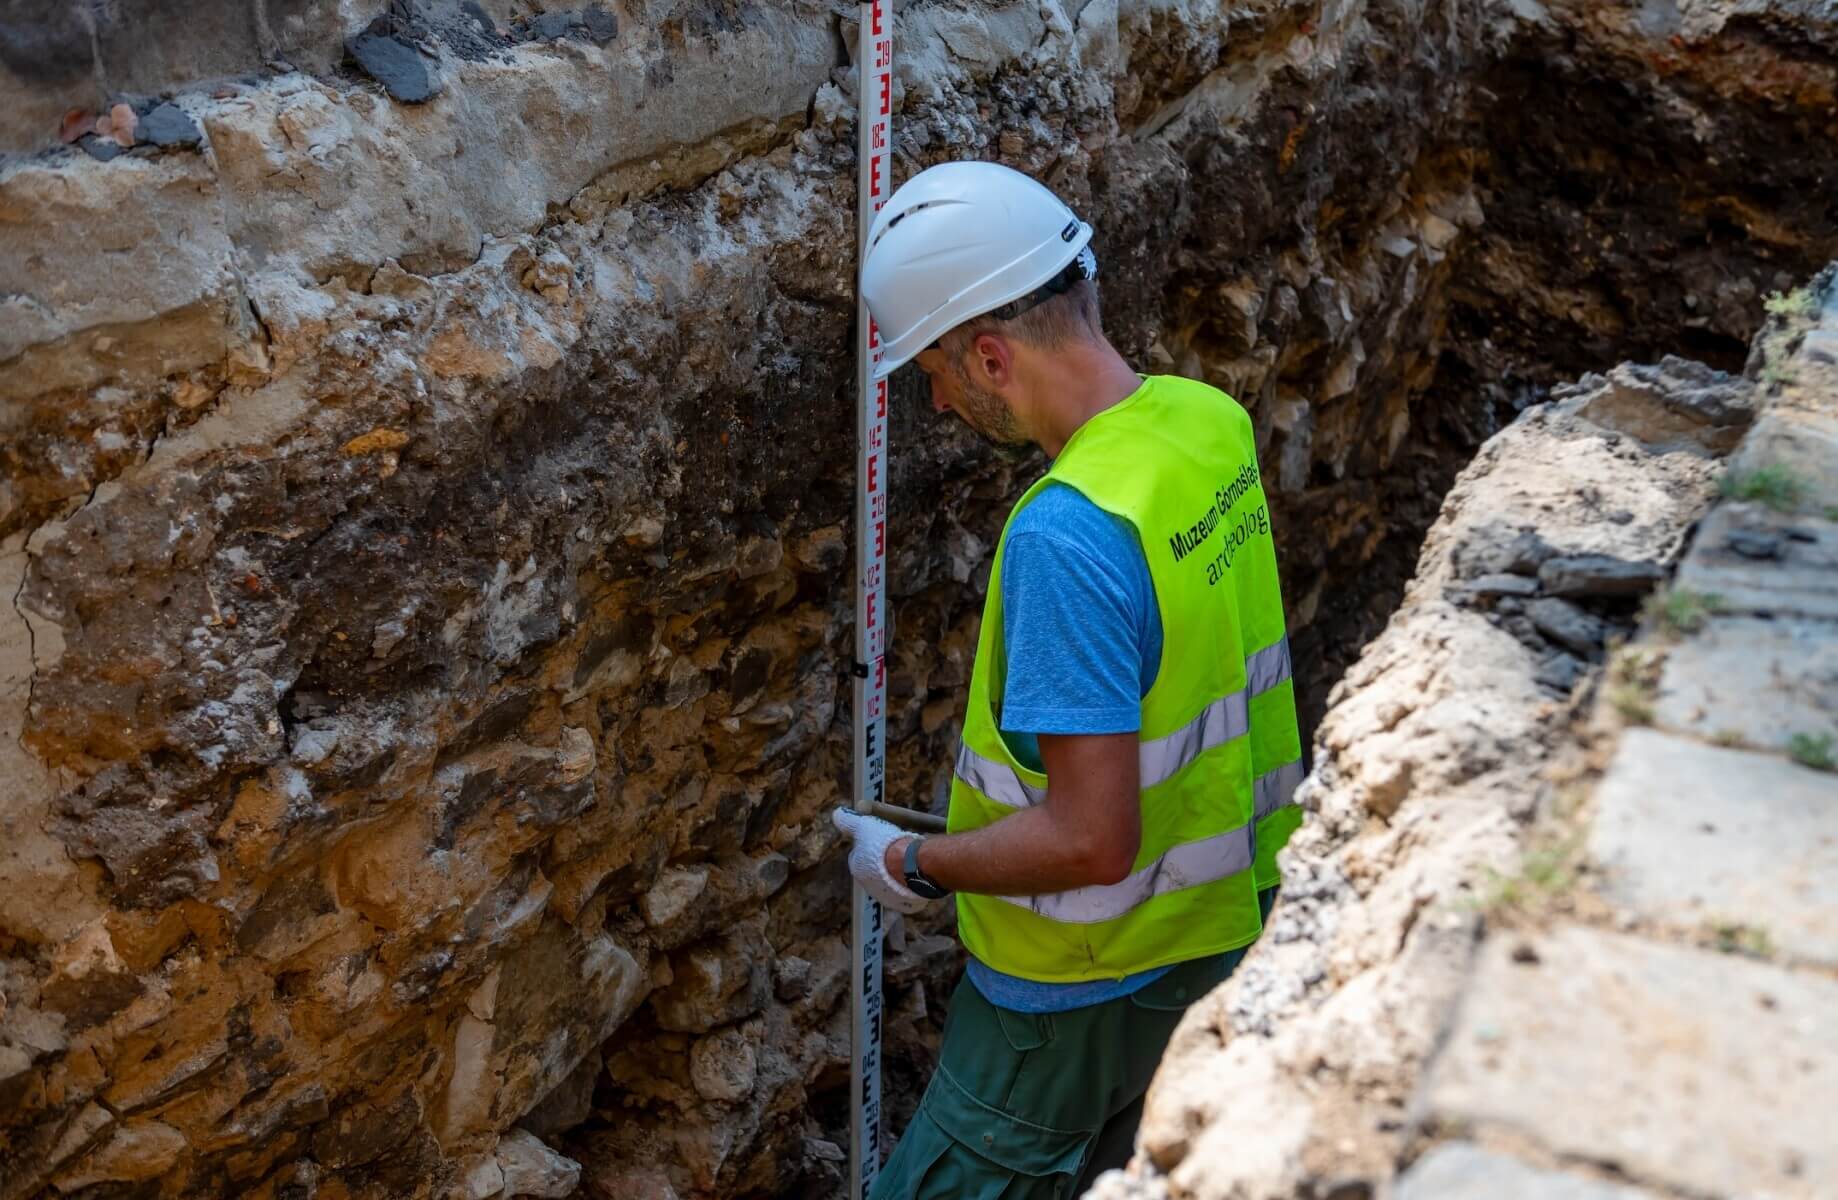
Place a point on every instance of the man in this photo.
(1130, 745)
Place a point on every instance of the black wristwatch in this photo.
(921, 883)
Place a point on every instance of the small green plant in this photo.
(1797, 303)
(1812, 750)
(1729, 737)
(1678, 611)
(1774, 375)
(1633, 680)
(1548, 871)
(1831, 512)
(1749, 940)
(1549, 868)
(1633, 701)
(1779, 488)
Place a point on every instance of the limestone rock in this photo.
(673, 893)
(574, 761)
(532, 1169)
(725, 980)
(15, 1073)
(636, 1183)
(550, 276)
(175, 264)
(88, 980)
(1674, 402)
(484, 1180)
(791, 977)
(133, 1152)
(723, 1064)
(569, 1103)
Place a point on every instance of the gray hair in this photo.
(1071, 316)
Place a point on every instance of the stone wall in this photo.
(425, 474)
(1567, 875)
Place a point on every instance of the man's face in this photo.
(985, 412)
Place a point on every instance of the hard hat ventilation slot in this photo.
(897, 218)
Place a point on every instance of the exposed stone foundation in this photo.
(423, 523)
(1570, 862)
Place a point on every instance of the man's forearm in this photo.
(1086, 831)
(1024, 854)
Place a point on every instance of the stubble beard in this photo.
(991, 419)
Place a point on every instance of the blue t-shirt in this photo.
(1083, 638)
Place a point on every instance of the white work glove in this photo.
(868, 859)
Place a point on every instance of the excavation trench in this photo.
(427, 675)
(1587, 243)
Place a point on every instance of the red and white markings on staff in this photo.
(874, 56)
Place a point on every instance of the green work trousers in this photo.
(1032, 1106)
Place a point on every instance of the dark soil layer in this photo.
(1616, 229)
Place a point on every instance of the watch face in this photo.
(925, 887)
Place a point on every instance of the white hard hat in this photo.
(959, 240)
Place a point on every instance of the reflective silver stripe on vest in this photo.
(1268, 667)
(1205, 861)
(996, 780)
(1159, 760)
(1276, 788)
(1224, 719)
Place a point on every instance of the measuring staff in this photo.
(1130, 747)
(874, 88)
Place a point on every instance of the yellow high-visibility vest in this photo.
(1219, 753)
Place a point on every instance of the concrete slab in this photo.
(1800, 579)
(1802, 440)
(1706, 1073)
(1462, 1171)
(1695, 835)
(1751, 681)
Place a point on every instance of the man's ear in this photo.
(992, 360)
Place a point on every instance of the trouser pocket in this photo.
(960, 1148)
